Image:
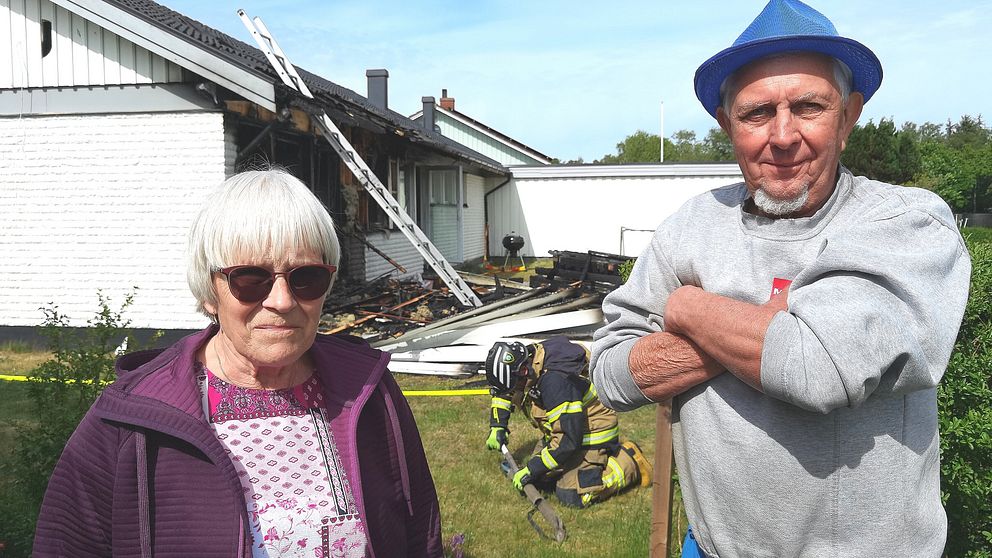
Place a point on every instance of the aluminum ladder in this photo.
(287, 72)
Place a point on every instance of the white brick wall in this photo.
(103, 202)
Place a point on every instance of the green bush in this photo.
(625, 269)
(61, 391)
(965, 406)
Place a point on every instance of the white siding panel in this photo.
(82, 54)
(6, 46)
(483, 143)
(32, 43)
(397, 247)
(126, 48)
(159, 71)
(103, 202)
(142, 64)
(62, 37)
(444, 230)
(175, 72)
(474, 218)
(111, 58)
(18, 44)
(50, 63)
(94, 47)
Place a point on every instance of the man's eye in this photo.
(760, 113)
(807, 109)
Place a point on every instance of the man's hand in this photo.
(498, 437)
(521, 478)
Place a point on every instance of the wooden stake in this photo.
(662, 486)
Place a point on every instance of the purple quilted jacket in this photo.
(144, 475)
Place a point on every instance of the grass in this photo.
(16, 359)
(477, 501)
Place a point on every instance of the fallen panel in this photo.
(488, 334)
(434, 368)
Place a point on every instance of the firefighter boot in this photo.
(644, 469)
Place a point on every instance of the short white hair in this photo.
(843, 78)
(250, 215)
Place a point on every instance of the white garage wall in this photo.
(103, 202)
(583, 208)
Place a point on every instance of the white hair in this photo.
(250, 215)
(843, 79)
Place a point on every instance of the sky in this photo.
(572, 78)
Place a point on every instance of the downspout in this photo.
(485, 214)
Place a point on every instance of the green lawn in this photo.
(477, 501)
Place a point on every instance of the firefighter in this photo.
(581, 454)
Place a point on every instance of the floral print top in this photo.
(299, 501)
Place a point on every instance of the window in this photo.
(444, 187)
(396, 183)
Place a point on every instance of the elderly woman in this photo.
(255, 437)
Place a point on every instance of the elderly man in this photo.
(801, 319)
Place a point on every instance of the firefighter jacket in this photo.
(563, 405)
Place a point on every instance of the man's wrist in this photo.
(677, 306)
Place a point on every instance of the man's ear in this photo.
(852, 111)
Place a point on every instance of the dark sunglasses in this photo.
(251, 283)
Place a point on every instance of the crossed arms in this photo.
(705, 335)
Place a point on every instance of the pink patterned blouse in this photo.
(299, 500)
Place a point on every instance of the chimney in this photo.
(447, 103)
(428, 118)
(378, 88)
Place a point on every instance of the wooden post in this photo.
(661, 485)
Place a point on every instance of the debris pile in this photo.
(599, 270)
(429, 332)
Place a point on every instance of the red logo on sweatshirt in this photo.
(780, 285)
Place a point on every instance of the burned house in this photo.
(116, 117)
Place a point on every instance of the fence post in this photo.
(661, 485)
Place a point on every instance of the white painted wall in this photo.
(83, 53)
(582, 208)
(103, 202)
(474, 217)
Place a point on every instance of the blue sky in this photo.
(573, 78)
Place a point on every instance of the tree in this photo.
(639, 147)
(718, 145)
(881, 153)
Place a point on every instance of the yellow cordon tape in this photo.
(446, 392)
(408, 393)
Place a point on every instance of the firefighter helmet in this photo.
(504, 364)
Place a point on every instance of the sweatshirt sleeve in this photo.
(633, 310)
(877, 310)
(76, 511)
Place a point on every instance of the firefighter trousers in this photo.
(594, 475)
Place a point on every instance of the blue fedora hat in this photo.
(784, 26)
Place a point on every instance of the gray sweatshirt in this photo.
(840, 454)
